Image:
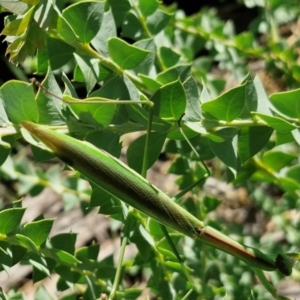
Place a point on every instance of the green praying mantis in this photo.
(122, 182)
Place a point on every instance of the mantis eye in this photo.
(284, 264)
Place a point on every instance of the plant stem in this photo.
(119, 269)
(169, 240)
(147, 142)
(187, 295)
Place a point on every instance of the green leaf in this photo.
(287, 103)
(107, 31)
(28, 137)
(42, 293)
(66, 273)
(98, 114)
(158, 21)
(61, 284)
(205, 94)
(6, 255)
(106, 271)
(251, 140)
(119, 10)
(18, 253)
(64, 257)
(132, 27)
(202, 66)
(64, 30)
(68, 296)
(135, 152)
(3, 116)
(284, 138)
(58, 59)
(144, 243)
(31, 2)
(223, 134)
(132, 293)
(296, 136)
(245, 40)
(24, 44)
(147, 64)
(90, 70)
(227, 153)
(10, 219)
(14, 28)
(148, 7)
(39, 262)
(134, 93)
(64, 241)
(193, 110)
(38, 231)
(228, 106)
(108, 204)
(174, 266)
(172, 74)
(90, 252)
(41, 155)
(168, 255)
(27, 243)
(36, 36)
(70, 200)
(106, 140)
(179, 166)
(151, 84)
(130, 225)
(16, 204)
(277, 160)
(25, 184)
(114, 88)
(289, 184)
(50, 107)
(158, 283)
(8, 168)
(211, 203)
(250, 98)
(124, 55)
(18, 99)
(18, 8)
(69, 88)
(294, 172)
(19, 50)
(263, 103)
(85, 18)
(42, 60)
(168, 56)
(4, 151)
(277, 123)
(40, 275)
(43, 16)
(170, 101)
(78, 76)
